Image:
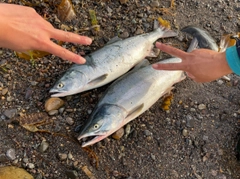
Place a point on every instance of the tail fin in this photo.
(193, 45)
(165, 30)
(204, 38)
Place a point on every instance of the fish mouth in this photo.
(90, 140)
(55, 93)
(59, 94)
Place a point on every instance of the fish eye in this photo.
(60, 85)
(96, 126)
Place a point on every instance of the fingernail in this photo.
(88, 41)
(80, 60)
(158, 43)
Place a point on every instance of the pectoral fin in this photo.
(141, 64)
(134, 113)
(98, 79)
(154, 52)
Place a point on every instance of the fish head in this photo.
(72, 82)
(103, 122)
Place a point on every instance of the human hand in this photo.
(22, 29)
(202, 65)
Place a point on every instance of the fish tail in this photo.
(162, 30)
(166, 32)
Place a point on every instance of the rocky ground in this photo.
(196, 138)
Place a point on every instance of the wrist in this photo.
(233, 59)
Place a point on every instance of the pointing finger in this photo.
(63, 53)
(168, 66)
(171, 50)
(70, 37)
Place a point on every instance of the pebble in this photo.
(53, 112)
(109, 10)
(190, 121)
(139, 31)
(201, 106)
(43, 146)
(53, 104)
(4, 91)
(69, 121)
(70, 156)
(10, 113)
(62, 156)
(72, 174)
(11, 154)
(220, 82)
(25, 160)
(3, 158)
(61, 110)
(124, 35)
(214, 173)
(153, 156)
(147, 133)
(127, 130)
(118, 134)
(154, 3)
(31, 165)
(185, 132)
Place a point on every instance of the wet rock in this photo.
(189, 121)
(127, 130)
(30, 165)
(53, 112)
(4, 91)
(62, 156)
(10, 113)
(43, 146)
(69, 121)
(11, 154)
(70, 156)
(25, 160)
(118, 134)
(124, 35)
(154, 3)
(139, 31)
(153, 156)
(213, 172)
(147, 133)
(72, 174)
(185, 132)
(3, 158)
(201, 106)
(220, 82)
(53, 104)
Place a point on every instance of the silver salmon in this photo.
(108, 63)
(127, 98)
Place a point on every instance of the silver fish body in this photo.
(127, 98)
(108, 63)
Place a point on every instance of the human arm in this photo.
(202, 65)
(22, 29)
